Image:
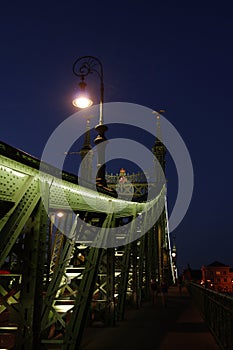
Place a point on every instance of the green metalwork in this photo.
(44, 255)
(111, 312)
(103, 296)
(123, 283)
(8, 281)
(134, 269)
(15, 222)
(76, 325)
(148, 264)
(138, 268)
(124, 275)
(56, 282)
(30, 302)
(154, 251)
(217, 310)
(141, 269)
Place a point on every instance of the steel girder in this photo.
(23, 212)
(17, 219)
(77, 322)
(124, 273)
(56, 282)
(33, 272)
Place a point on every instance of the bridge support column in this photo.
(78, 319)
(32, 278)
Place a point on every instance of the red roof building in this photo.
(218, 276)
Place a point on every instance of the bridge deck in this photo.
(178, 326)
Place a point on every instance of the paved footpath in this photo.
(177, 326)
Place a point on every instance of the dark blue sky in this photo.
(172, 55)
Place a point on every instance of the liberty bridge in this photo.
(54, 276)
(62, 271)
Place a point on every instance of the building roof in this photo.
(217, 264)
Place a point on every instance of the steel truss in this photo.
(50, 295)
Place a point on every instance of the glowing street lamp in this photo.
(82, 99)
(82, 67)
(173, 254)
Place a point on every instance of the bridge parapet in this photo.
(217, 310)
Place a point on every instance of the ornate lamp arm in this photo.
(86, 65)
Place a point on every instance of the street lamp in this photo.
(82, 67)
(82, 99)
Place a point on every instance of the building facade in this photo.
(218, 277)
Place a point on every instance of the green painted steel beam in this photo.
(76, 325)
(21, 187)
(17, 220)
(31, 294)
(122, 289)
(56, 280)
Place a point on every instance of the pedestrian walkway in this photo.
(177, 326)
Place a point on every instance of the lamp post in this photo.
(174, 263)
(82, 67)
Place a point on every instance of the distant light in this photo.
(82, 246)
(119, 253)
(63, 308)
(60, 214)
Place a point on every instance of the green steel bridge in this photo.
(51, 276)
(55, 282)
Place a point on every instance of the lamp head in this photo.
(82, 99)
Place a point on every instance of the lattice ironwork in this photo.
(93, 283)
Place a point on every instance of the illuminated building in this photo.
(218, 276)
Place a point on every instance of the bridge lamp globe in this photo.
(82, 99)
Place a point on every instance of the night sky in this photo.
(176, 56)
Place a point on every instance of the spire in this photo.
(158, 128)
(159, 149)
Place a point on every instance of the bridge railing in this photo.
(217, 311)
